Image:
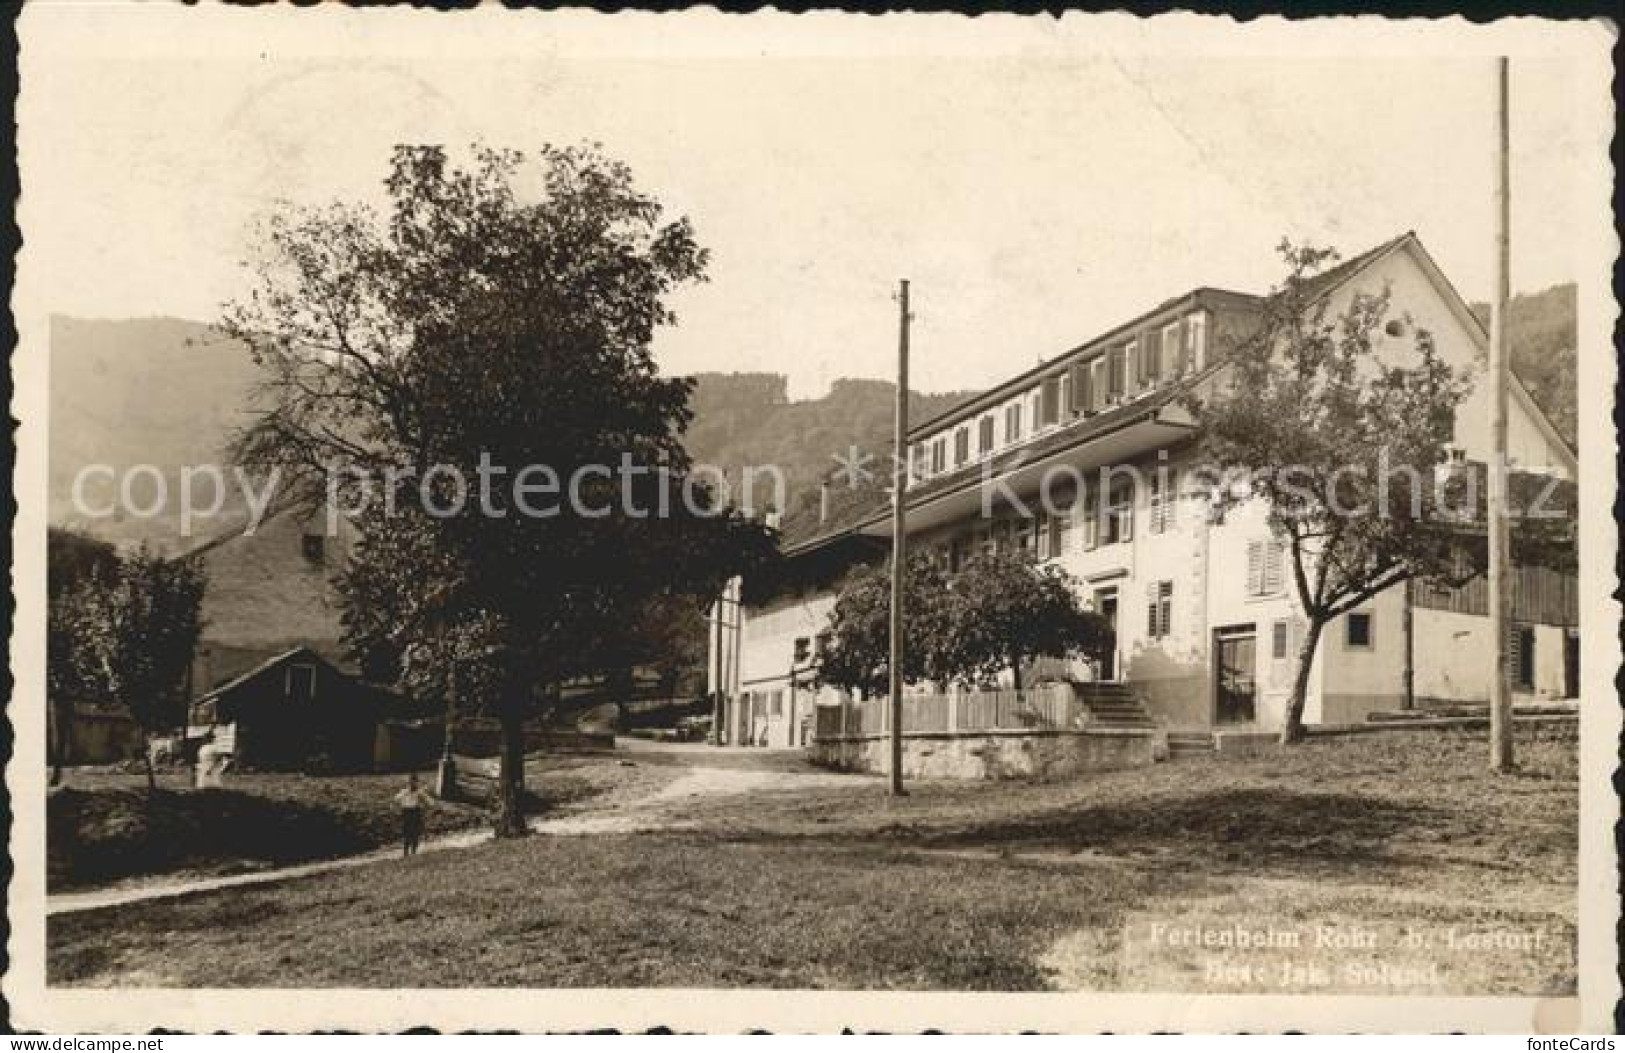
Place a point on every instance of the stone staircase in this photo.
(1189, 743)
(1114, 706)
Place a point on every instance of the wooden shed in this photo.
(294, 711)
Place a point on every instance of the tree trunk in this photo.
(1015, 671)
(1292, 724)
(61, 738)
(146, 756)
(510, 814)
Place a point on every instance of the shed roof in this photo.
(301, 652)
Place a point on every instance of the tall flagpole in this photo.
(1496, 507)
(899, 544)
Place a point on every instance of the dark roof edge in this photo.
(821, 541)
(1142, 414)
(250, 674)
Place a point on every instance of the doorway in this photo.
(1235, 684)
(1106, 607)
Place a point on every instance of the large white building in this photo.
(1207, 631)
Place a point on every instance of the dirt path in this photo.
(659, 810)
(663, 809)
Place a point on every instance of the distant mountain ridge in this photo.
(163, 392)
(747, 420)
(171, 393)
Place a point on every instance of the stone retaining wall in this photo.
(993, 754)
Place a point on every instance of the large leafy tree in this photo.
(1339, 424)
(1005, 609)
(857, 652)
(484, 349)
(998, 612)
(128, 631)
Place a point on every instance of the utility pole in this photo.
(1496, 507)
(899, 542)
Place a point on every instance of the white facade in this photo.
(1207, 628)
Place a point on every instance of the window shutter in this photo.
(1520, 654)
(1091, 526)
(1051, 400)
(1077, 398)
(1125, 523)
(1271, 582)
(1151, 613)
(1151, 358)
(1255, 568)
(1187, 341)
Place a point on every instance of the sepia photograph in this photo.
(1069, 524)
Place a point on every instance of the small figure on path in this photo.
(412, 802)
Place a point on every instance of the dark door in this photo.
(1106, 606)
(1571, 665)
(1235, 688)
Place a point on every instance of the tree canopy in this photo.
(997, 613)
(1340, 424)
(124, 634)
(1005, 610)
(492, 332)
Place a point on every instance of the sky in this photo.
(1038, 182)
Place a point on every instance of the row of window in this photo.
(1100, 523)
(1119, 373)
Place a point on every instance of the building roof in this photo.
(1205, 294)
(806, 532)
(275, 660)
(1319, 285)
(849, 507)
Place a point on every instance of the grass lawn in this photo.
(104, 827)
(973, 886)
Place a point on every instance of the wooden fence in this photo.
(1053, 706)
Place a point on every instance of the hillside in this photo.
(746, 419)
(141, 391)
(169, 393)
(1541, 328)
